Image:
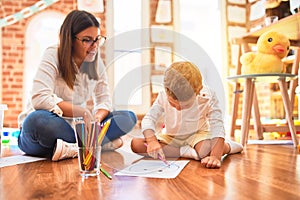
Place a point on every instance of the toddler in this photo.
(193, 124)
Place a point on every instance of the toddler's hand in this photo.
(211, 162)
(154, 148)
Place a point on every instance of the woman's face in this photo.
(85, 46)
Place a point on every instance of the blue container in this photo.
(5, 137)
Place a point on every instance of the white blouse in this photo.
(203, 115)
(49, 88)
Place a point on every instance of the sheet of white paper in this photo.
(270, 142)
(19, 159)
(153, 169)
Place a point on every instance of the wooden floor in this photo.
(259, 172)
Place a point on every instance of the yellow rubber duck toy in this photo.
(272, 47)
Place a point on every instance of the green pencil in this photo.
(105, 173)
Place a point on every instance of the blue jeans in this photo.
(42, 128)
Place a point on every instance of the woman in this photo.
(68, 75)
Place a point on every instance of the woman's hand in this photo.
(100, 115)
(71, 110)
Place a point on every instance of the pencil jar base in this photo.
(89, 161)
(89, 173)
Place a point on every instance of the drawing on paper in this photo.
(153, 169)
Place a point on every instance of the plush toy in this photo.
(272, 47)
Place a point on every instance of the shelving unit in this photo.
(244, 43)
(161, 42)
(242, 16)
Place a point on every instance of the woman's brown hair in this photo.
(75, 22)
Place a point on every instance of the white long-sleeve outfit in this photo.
(203, 116)
(49, 88)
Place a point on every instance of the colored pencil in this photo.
(103, 131)
(105, 173)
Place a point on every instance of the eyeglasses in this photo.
(87, 42)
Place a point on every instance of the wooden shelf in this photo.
(158, 58)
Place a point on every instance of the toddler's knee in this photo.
(133, 146)
(204, 149)
(203, 154)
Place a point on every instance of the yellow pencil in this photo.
(103, 131)
(88, 158)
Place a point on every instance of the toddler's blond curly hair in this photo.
(182, 80)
